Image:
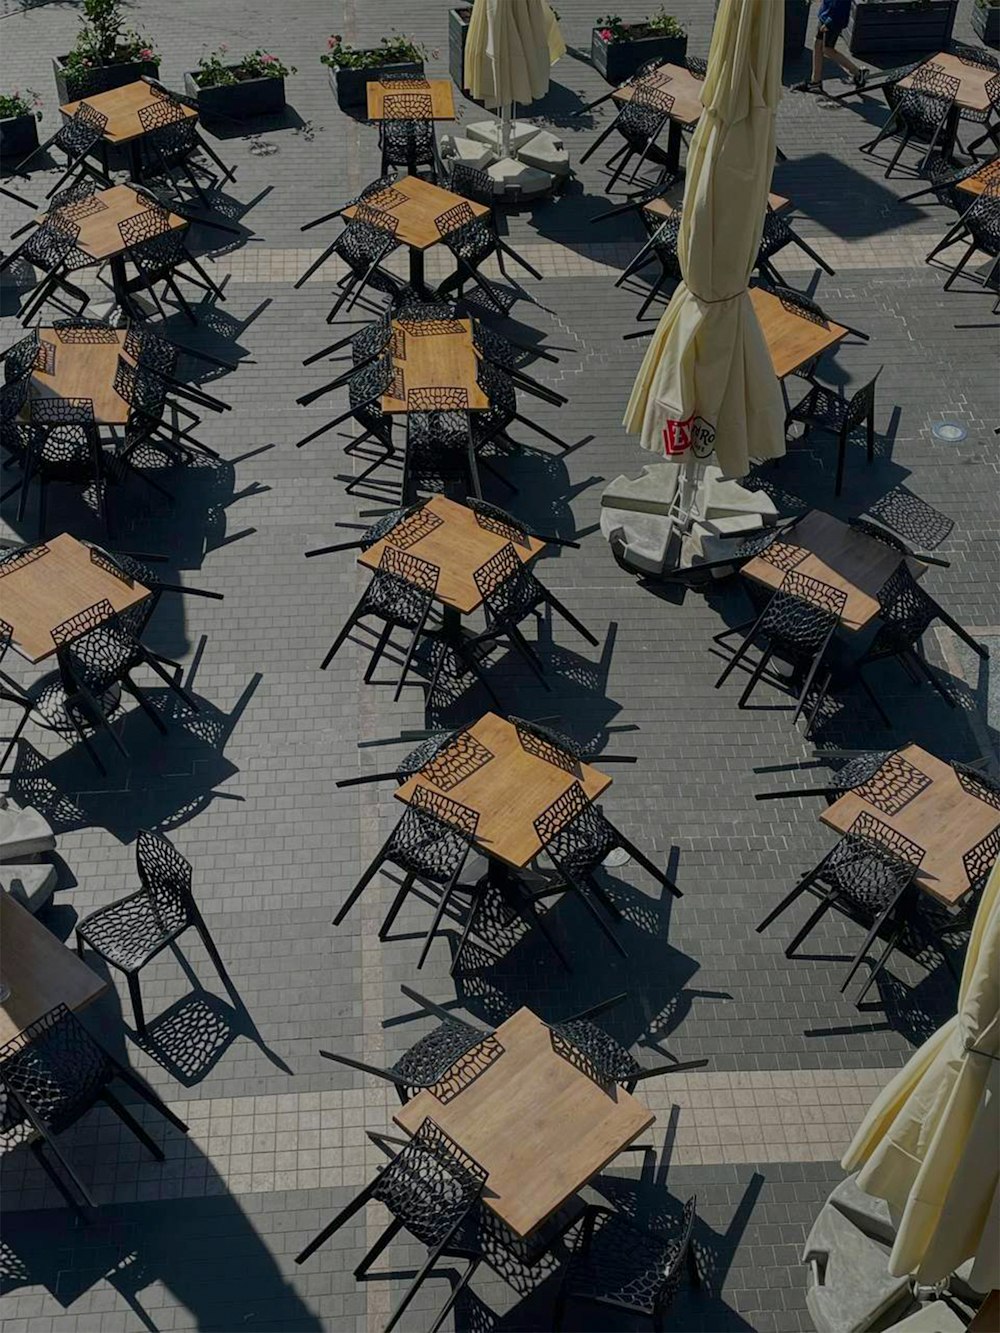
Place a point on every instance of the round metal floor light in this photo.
(950, 432)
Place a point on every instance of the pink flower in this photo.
(268, 60)
(146, 53)
(223, 47)
(605, 33)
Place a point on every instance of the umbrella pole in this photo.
(506, 125)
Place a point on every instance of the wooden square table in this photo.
(440, 91)
(793, 339)
(121, 106)
(98, 218)
(458, 545)
(838, 555)
(415, 203)
(988, 176)
(436, 363)
(48, 583)
(940, 816)
(538, 1125)
(686, 111)
(39, 971)
(82, 364)
(508, 791)
(660, 208)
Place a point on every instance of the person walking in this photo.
(833, 16)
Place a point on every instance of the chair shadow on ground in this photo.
(166, 781)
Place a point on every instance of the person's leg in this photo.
(815, 81)
(857, 73)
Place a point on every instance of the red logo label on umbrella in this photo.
(693, 433)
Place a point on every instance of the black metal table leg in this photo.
(417, 268)
(674, 140)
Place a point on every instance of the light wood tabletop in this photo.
(121, 106)
(458, 545)
(51, 582)
(777, 202)
(942, 817)
(39, 971)
(439, 91)
(972, 94)
(538, 1125)
(987, 177)
(428, 359)
(99, 216)
(682, 86)
(416, 203)
(507, 786)
(838, 555)
(77, 369)
(792, 339)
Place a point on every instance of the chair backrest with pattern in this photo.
(56, 1068)
(166, 876)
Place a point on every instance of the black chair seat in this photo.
(50, 710)
(128, 933)
(623, 1265)
(822, 407)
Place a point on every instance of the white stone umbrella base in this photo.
(538, 164)
(641, 516)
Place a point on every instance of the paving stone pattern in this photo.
(246, 788)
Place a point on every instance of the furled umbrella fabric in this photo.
(708, 357)
(509, 49)
(931, 1141)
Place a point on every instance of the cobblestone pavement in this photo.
(247, 788)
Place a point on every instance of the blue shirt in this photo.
(834, 13)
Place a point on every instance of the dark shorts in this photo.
(830, 33)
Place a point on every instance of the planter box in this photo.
(350, 86)
(901, 27)
(458, 31)
(250, 97)
(618, 61)
(18, 137)
(73, 84)
(986, 23)
(796, 24)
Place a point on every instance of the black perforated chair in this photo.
(172, 145)
(406, 135)
(440, 457)
(824, 409)
(617, 1264)
(920, 116)
(429, 1060)
(368, 239)
(472, 183)
(906, 611)
(943, 179)
(53, 1073)
(373, 188)
(797, 623)
(858, 770)
(131, 932)
(96, 650)
(158, 253)
(58, 444)
(430, 1188)
(989, 118)
(52, 248)
(511, 593)
(602, 1057)
(640, 123)
(472, 240)
(366, 386)
(980, 226)
(490, 426)
(175, 99)
(869, 873)
(511, 358)
(777, 234)
(155, 355)
(146, 395)
(400, 595)
(78, 138)
(576, 837)
(20, 358)
(430, 845)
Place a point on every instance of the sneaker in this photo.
(807, 86)
(860, 79)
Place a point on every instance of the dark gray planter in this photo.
(74, 84)
(986, 23)
(796, 24)
(458, 31)
(18, 137)
(350, 86)
(249, 97)
(620, 60)
(900, 27)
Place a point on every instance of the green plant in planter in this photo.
(17, 103)
(214, 71)
(395, 50)
(103, 39)
(664, 24)
(612, 28)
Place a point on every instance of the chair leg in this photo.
(418, 1281)
(602, 925)
(820, 910)
(457, 1290)
(755, 675)
(889, 948)
(382, 1244)
(362, 883)
(213, 952)
(349, 624)
(869, 940)
(925, 669)
(871, 695)
(131, 1123)
(652, 294)
(904, 140)
(136, 998)
(435, 922)
(787, 901)
(149, 1096)
(397, 903)
(379, 649)
(960, 266)
(838, 485)
(626, 159)
(568, 616)
(343, 1216)
(642, 859)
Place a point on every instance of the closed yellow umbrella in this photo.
(930, 1143)
(708, 358)
(509, 49)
